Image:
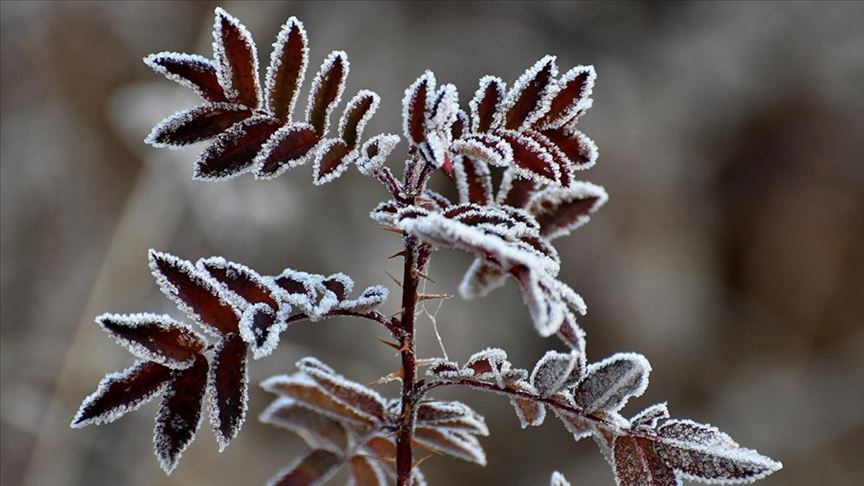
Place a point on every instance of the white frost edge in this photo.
(276, 62)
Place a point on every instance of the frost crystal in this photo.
(610, 383)
(288, 63)
(237, 59)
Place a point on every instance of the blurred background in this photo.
(731, 252)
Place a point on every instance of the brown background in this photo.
(731, 253)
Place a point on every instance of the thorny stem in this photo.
(405, 433)
(375, 316)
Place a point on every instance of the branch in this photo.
(375, 316)
(404, 438)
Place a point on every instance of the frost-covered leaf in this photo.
(375, 151)
(361, 399)
(370, 298)
(558, 479)
(636, 464)
(288, 63)
(237, 59)
(228, 383)
(122, 392)
(319, 431)
(461, 445)
(244, 282)
(452, 416)
(561, 210)
(610, 383)
(647, 419)
(571, 334)
(260, 327)
(153, 337)
(366, 472)
(515, 191)
(288, 147)
(530, 412)
(530, 160)
(460, 125)
(555, 371)
(539, 293)
(357, 114)
(179, 414)
(480, 279)
(340, 284)
(196, 124)
(529, 98)
(487, 364)
(486, 104)
(578, 148)
(299, 288)
(312, 468)
(473, 180)
(577, 425)
(332, 159)
(326, 90)
(308, 393)
(190, 70)
(415, 106)
(487, 148)
(572, 95)
(234, 150)
(193, 292)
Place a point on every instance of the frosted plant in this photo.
(528, 135)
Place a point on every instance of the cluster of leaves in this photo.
(526, 137)
(243, 311)
(588, 398)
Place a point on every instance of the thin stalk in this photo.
(405, 433)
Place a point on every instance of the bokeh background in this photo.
(731, 252)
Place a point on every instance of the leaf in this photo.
(179, 414)
(486, 148)
(647, 419)
(555, 371)
(561, 210)
(331, 161)
(229, 383)
(288, 63)
(481, 279)
(156, 338)
(571, 334)
(375, 151)
(610, 383)
(578, 148)
(246, 283)
(234, 151)
(319, 431)
(236, 56)
(310, 394)
(487, 363)
(196, 124)
(577, 425)
(260, 327)
(530, 160)
(515, 191)
(460, 445)
(473, 180)
(558, 479)
(190, 70)
(290, 146)
(548, 311)
(193, 292)
(366, 472)
(314, 467)
(415, 106)
(637, 464)
(529, 412)
(572, 96)
(452, 416)
(122, 392)
(357, 114)
(326, 90)
(370, 298)
(528, 99)
(486, 104)
(355, 396)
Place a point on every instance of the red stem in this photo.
(405, 434)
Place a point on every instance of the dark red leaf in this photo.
(319, 431)
(564, 165)
(234, 51)
(234, 151)
(357, 113)
(515, 191)
(578, 148)
(473, 180)
(190, 70)
(197, 124)
(192, 292)
(287, 148)
(414, 107)
(240, 279)
(459, 126)
(486, 104)
(288, 63)
(529, 158)
(636, 464)
(315, 467)
(354, 395)
(154, 338)
(366, 472)
(338, 284)
(311, 395)
(229, 384)
(326, 90)
(331, 161)
(180, 413)
(122, 392)
(575, 88)
(560, 211)
(257, 326)
(527, 96)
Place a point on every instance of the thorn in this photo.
(395, 280)
(391, 230)
(421, 461)
(393, 345)
(423, 297)
(423, 275)
(394, 376)
(403, 254)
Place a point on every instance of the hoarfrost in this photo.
(228, 384)
(122, 392)
(486, 104)
(156, 338)
(290, 146)
(554, 371)
(196, 124)
(189, 70)
(558, 479)
(179, 414)
(530, 96)
(375, 151)
(608, 384)
(236, 58)
(326, 90)
(288, 62)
